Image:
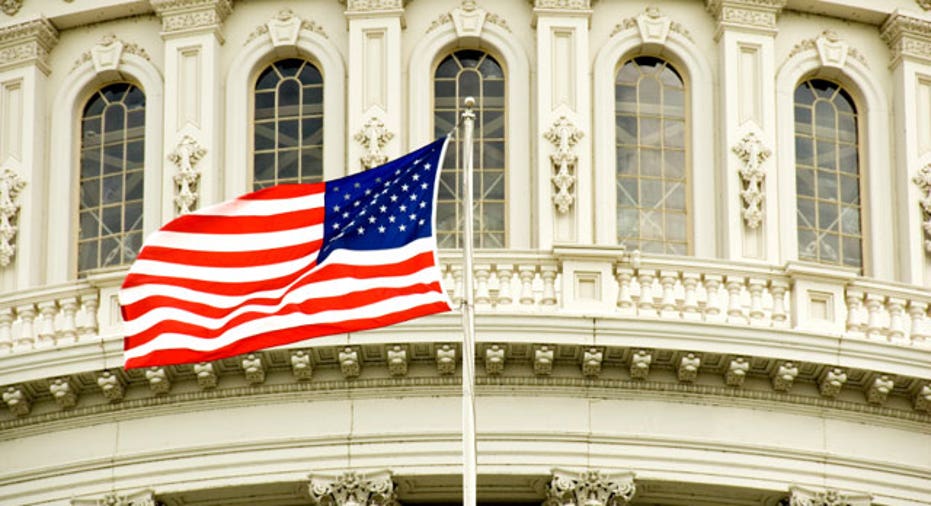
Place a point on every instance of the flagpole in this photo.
(469, 453)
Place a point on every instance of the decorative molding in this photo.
(285, 28)
(737, 371)
(752, 153)
(28, 42)
(351, 488)
(446, 360)
(206, 375)
(10, 187)
(591, 362)
(543, 356)
(397, 359)
(879, 389)
(301, 367)
(373, 137)
(159, 382)
(180, 17)
(108, 53)
(185, 156)
(748, 15)
(10, 7)
(253, 367)
(923, 181)
(349, 363)
(494, 360)
(832, 382)
(468, 20)
(564, 135)
(687, 368)
(653, 25)
(564, 5)
(785, 376)
(589, 488)
(923, 398)
(907, 36)
(111, 386)
(141, 498)
(16, 400)
(799, 496)
(640, 364)
(832, 50)
(369, 6)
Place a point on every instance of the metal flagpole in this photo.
(468, 317)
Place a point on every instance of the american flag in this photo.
(288, 263)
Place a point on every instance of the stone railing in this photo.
(48, 317)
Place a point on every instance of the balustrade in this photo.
(48, 318)
(887, 312)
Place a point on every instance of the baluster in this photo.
(854, 312)
(46, 330)
(919, 332)
(505, 273)
(690, 298)
(6, 330)
(646, 306)
(482, 272)
(625, 302)
(69, 329)
(449, 283)
(896, 320)
(755, 287)
(526, 273)
(778, 288)
(874, 305)
(712, 301)
(735, 312)
(27, 316)
(548, 273)
(668, 308)
(459, 289)
(89, 308)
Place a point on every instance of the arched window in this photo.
(827, 175)
(111, 178)
(477, 74)
(288, 124)
(651, 178)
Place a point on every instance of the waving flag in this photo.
(288, 263)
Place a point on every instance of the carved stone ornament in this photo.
(191, 16)
(752, 153)
(925, 4)
(446, 360)
(759, 15)
(108, 53)
(285, 28)
(10, 187)
(468, 20)
(16, 399)
(353, 489)
(142, 498)
(28, 42)
(907, 35)
(185, 157)
(11, 7)
(373, 137)
(653, 26)
(564, 136)
(800, 496)
(373, 5)
(831, 49)
(589, 488)
(923, 181)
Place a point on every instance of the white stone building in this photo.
(703, 268)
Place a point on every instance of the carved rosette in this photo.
(752, 153)
(185, 157)
(10, 7)
(805, 497)
(589, 488)
(564, 136)
(371, 489)
(923, 181)
(373, 137)
(10, 187)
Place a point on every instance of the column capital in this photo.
(182, 17)
(27, 43)
(801, 496)
(353, 489)
(565, 8)
(369, 7)
(590, 488)
(757, 16)
(908, 36)
(141, 498)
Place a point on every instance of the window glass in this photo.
(471, 73)
(288, 124)
(650, 126)
(111, 177)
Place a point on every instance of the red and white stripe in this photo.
(242, 275)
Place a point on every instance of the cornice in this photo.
(180, 17)
(561, 8)
(907, 36)
(758, 16)
(374, 6)
(28, 42)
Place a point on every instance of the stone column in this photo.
(24, 69)
(909, 38)
(589, 488)
(563, 131)
(800, 496)
(353, 489)
(192, 31)
(747, 172)
(374, 94)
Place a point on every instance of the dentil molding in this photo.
(10, 187)
(26, 43)
(181, 17)
(185, 156)
(907, 36)
(353, 489)
(589, 488)
(752, 153)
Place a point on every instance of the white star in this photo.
(394, 198)
(355, 204)
(391, 219)
(345, 215)
(336, 226)
(413, 196)
(357, 185)
(420, 222)
(381, 230)
(426, 166)
(371, 219)
(336, 209)
(412, 216)
(404, 187)
(397, 172)
(416, 177)
(346, 197)
(360, 230)
(423, 204)
(402, 228)
(383, 208)
(368, 191)
(403, 208)
(424, 186)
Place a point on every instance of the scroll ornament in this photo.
(590, 488)
(923, 180)
(10, 187)
(752, 154)
(373, 137)
(564, 136)
(185, 157)
(355, 489)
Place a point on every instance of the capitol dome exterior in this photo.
(702, 268)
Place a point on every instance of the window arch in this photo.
(288, 124)
(827, 175)
(651, 176)
(111, 188)
(459, 75)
